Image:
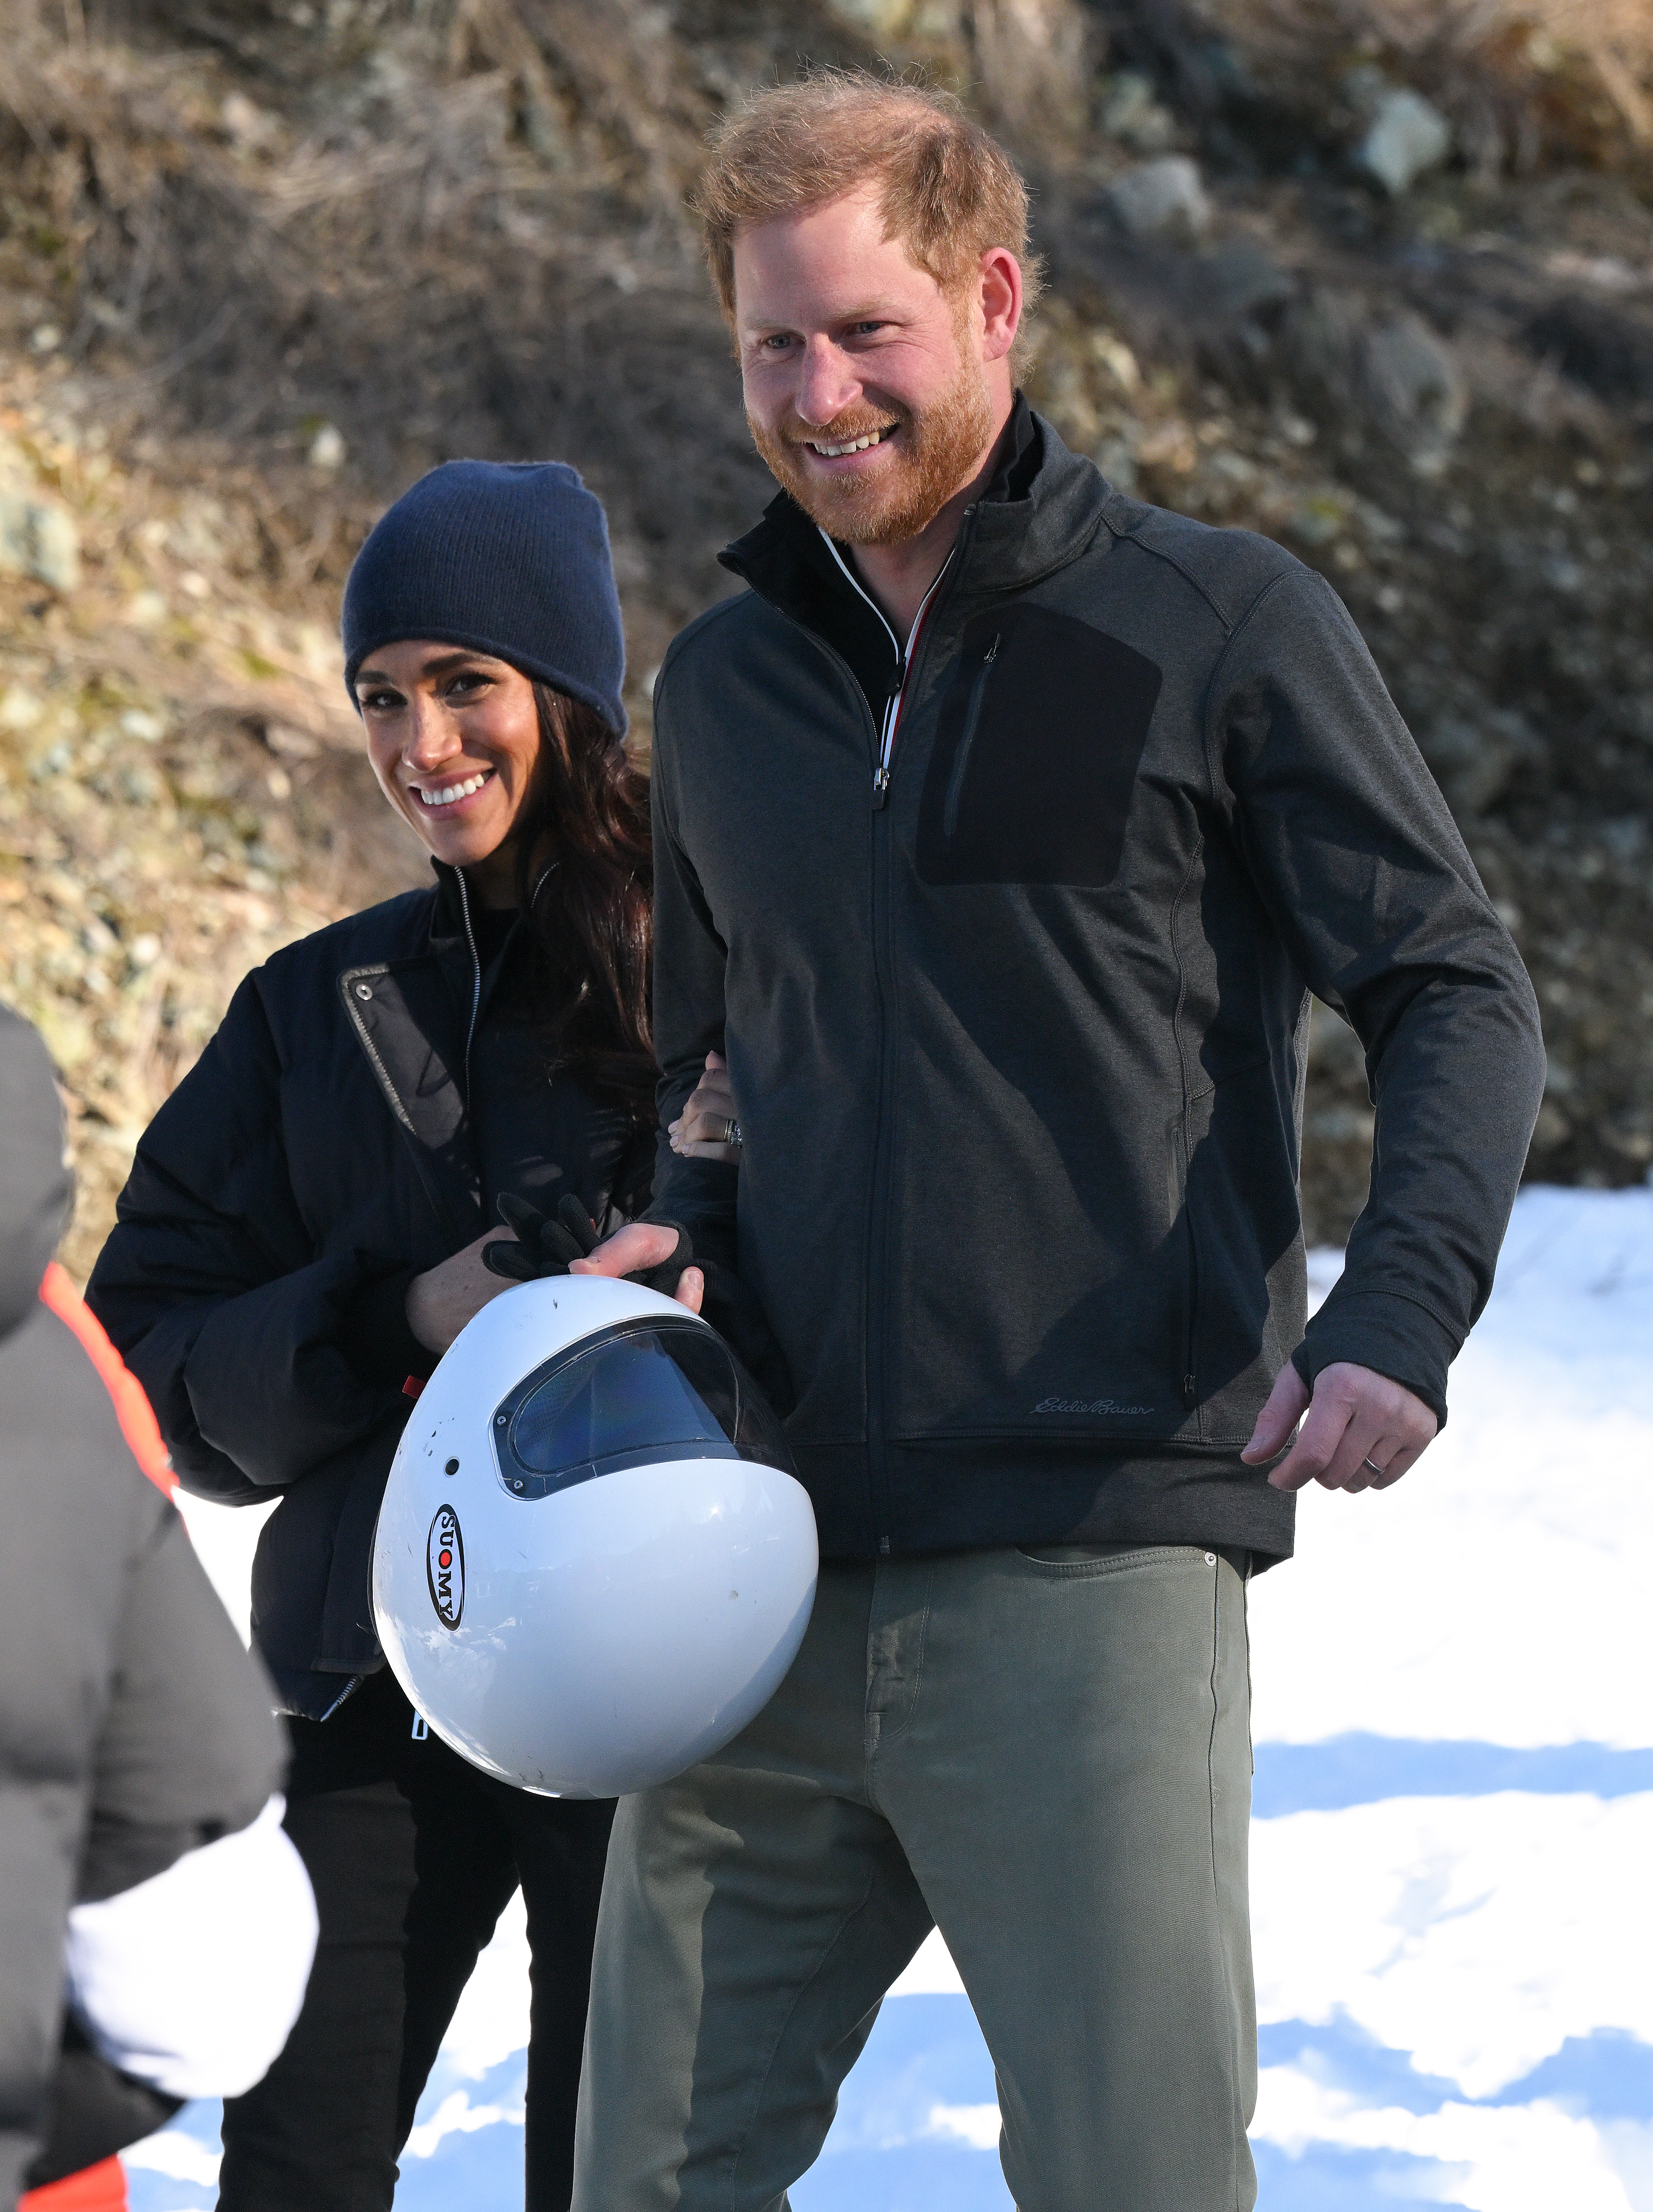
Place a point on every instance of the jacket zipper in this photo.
(883, 967)
(877, 1235)
(903, 658)
(475, 980)
(961, 758)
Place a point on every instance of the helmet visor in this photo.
(639, 1393)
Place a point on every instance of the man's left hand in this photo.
(1363, 1432)
(698, 1132)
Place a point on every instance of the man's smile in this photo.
(836, 449)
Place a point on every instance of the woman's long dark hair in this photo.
(585, 882)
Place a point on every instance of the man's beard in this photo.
(937, 448)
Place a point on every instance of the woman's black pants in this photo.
(413, 1854)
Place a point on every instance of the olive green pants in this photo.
(1048, 1756)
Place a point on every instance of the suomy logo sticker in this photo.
(445, 1566)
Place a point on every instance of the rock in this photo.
(1115, 458)
(288, 743)
(139, 785)
(1603, 346)
(20, 709)
(1414, 390)
(1158, 199)
(1116, 357)
(1473, 762)
(1239, 282)
(880, 19)
(39, 538)
(247, 126)
(1398, 374)
(1318, 519)
(327, 448)
(1131, 112)
(1408, 136)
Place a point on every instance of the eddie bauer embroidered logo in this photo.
(1087, 1405)
(445, 1566)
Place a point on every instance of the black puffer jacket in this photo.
(133, 1728)
(319, 1154)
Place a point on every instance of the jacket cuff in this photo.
(376, 1339)
(1392, 1335)
(702, 1202)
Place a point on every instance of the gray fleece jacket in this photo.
(1016, 1036)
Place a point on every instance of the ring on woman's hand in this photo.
(731, 1133)
(1373, 1465)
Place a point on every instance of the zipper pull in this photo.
(880, 785)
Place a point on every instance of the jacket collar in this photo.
(448, 912)
(1042, 509)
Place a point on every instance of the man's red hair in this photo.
(947, 191)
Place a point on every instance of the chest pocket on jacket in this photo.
(1037, 745)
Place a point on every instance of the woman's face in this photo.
(454, 737)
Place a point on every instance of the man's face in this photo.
(867, 387)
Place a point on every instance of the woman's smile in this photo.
(450, 795)
(454, 736)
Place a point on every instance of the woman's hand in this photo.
(441, 1300)
(639, 1245)
(698, 1132)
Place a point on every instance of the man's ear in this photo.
(1000, 292)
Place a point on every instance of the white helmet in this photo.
(591, 1566)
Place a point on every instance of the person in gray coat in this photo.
(156, 1926)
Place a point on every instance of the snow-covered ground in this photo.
(1454, 1714)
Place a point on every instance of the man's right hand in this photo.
(642, 1244)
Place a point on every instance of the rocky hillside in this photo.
(1373, 275)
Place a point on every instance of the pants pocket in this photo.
(1066, 1561)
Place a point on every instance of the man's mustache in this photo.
(794, 431)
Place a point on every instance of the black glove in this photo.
(544, 1246)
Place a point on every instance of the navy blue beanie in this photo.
(508, 557)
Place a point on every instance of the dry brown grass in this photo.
(473, 242)
(1522, 78)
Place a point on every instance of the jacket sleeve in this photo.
(210, 1287)
(177, 1984)
(134, 1727)
(189, 1982)
(1354, 853)
(175, 1988)
(190, 1749)
(689, 1022)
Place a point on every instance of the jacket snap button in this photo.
(364, 990)
(1211, 1558)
